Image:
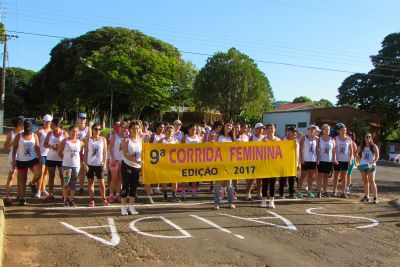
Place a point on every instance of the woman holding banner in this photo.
(131, 166)
(157, 135)
(269, 182)
(191, 138)
(212, 136)
(228, 135)
(169, 138)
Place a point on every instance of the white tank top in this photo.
(157, 138)
(71, 154)
(310, 149)
(54, 141)
(117, 150)
(95, 152)
(26, 148)
(83, 134)
(134, 149)
(325, 150)
(244, 138)
(43, 150)
(194, 140)
(367, 156)
(179, 136)
(342, 149)
(254, 138)
(171, 141)
(224, 139)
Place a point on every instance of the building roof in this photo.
(295, 106)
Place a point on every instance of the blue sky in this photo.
(334, 34)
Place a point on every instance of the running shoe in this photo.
(111, 199)
(344, 195)
(22, 202)
(91, 203)
(66, 203)
(7, 201)
(216, 207)
(44, 194)
(72, 203)
(271, 204)
(38, 194)
(299, 195)
(132, 210)
(232, 206)
(334, 194)
(310, 194)
(351, 186)
(263, 203)
(33, 188)
(150, 200)
(124, 210)
(175, 199)
(365, 199)
(105, 203)
(248, 198)
(375, 200)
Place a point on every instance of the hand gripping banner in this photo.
(218, 161)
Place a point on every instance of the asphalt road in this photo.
(308, 232)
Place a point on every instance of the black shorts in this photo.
(342, 166)
(25, 165)
(95, 170)
(53, 163)
(308, 166)
(325, 167)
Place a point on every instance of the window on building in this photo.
(302, 124)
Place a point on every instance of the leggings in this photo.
(130, 180)
(282, 183)
(268, 182)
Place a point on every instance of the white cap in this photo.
(317, 129)
(47, 117)
(259, 125)
(312, 126)
(178, 122)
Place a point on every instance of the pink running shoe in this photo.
(91, 203)
(105, 203)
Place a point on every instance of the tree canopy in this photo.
(141, 71)
(232, 84)
(377, 91)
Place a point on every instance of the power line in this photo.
(209, 55)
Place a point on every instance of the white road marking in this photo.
(222, 229)
(114, 234)
(184, 233)
(149, 205)
(289, 224)
(373, 224)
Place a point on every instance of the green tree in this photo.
(232, 83)
(302, 99)
(379, 90)
(323, 103)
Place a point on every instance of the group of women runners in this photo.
(81, 152)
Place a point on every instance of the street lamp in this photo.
(109, 84)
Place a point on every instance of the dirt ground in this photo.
(307, 232)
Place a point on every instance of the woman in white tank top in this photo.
(227, 135)
(96, 156)
(325, 151)
(84, 132)
(130, 167)
(42, 133)
(116, 155)
(369, 154)
(8, 145)
(26, 155)
(53, 160)
(169, 138)
(342, 157)
(70, 151)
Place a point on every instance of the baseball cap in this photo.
(312, 126)
(317, 129)
(340, 125)
(177, 122)
(47, 118)
(292, 129)
(259, 125)
(82, 116)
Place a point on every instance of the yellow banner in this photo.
(218, 161)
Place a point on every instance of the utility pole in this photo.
(3, 80)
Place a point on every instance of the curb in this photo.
(2, 231)
(387, 163)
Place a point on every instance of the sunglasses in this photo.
(97, 129)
